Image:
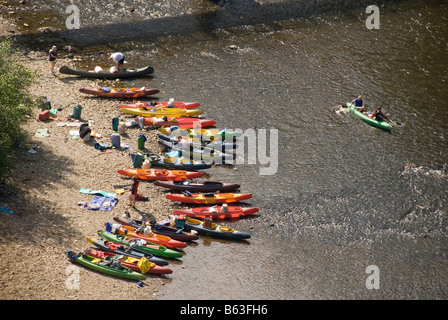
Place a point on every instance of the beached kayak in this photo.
(129, 73)
(209, 198)
(207, 134)
(218, 144)
(130, 231)
(107, 92)
(161, 112)
(162, 104)
(141, 245)
(179, 163)
(142, 265)
(160, 174)
(105, 267)
(215, 212)
(198, 186)
(181, 122)
(204, 153)
(207, 227)
(163, 230)
(118, 249)
(383, 124)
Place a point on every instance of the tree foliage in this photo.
(15, 104)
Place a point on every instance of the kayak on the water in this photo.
(382, 124)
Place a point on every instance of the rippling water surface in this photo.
(343, 197)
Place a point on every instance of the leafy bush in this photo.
(15, 105)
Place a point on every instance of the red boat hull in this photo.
(201, 199)
(203, 212)
(164, 175)
(177, 105)
(120, 93)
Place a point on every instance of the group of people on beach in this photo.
(117, 58)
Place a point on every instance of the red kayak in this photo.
(129, 262)
(181, 122)
(119, 92)
(231, 212)
(177, 105)
(206, 198)
(160, 174)
(165, 241)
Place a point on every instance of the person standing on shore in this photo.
(118, 59)
(53, 54)
(134, 191)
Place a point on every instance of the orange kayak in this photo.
(119, 92)
(160, 174)
(231, 212)
(205, 198)
(177, 105)
(165, 241)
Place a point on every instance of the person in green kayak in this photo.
(379, 115)
(359, 104)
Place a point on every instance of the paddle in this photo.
(395, 123)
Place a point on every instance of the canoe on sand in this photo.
(162, 104)
(142, 265)
(215, 212)
(206, 198)
(129, 73)
(198, 186)
(96, 264)
(129, 93)
(160, 174)
(161, 112)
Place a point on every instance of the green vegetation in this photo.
(15, 104)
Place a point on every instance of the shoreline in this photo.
(44, 192)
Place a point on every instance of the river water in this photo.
(344, 195)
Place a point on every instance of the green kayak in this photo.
(102, 267)
(373, 122)
(146, 247)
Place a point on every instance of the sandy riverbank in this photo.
(44, 195)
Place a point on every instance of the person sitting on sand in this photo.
(118, 59)
(359, 104)
(53, 54)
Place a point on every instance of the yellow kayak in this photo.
(160, 112)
